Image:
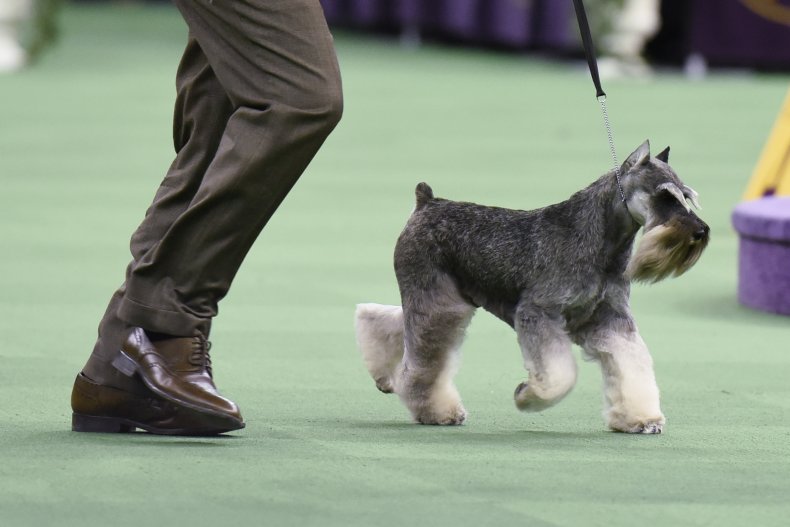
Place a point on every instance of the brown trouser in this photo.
(258, 92)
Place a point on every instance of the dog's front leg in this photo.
(546, 348)
(631, 398)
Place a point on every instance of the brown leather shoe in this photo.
(178, 370)
(102, 408)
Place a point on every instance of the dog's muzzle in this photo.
(668, 249)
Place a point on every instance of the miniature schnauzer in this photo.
(558, 275)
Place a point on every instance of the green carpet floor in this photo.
(84, 140)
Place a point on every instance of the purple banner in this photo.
(742, 32)
(517, 24)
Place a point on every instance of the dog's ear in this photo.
(663, 155)
(640, 156)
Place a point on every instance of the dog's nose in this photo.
(700, 234)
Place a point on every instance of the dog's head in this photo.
(674, 236)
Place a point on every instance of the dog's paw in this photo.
(455, 417)
(446, 410)
(439, 404)
(651, 428)
(384, 384)
(528, 401)
(646, 426)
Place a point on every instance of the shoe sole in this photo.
(118, 425)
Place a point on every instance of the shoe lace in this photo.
(200, 354)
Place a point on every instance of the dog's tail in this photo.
(379, 332)
(424, 194)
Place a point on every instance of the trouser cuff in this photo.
(176, 323)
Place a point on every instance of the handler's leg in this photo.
(103, 399)
(201, 111)
(279, 86)
(276, 62)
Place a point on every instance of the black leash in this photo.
(589, 52)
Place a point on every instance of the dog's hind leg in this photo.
(546, 348)
(435, 320)
(379, 331)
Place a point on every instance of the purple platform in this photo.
(764, 256)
